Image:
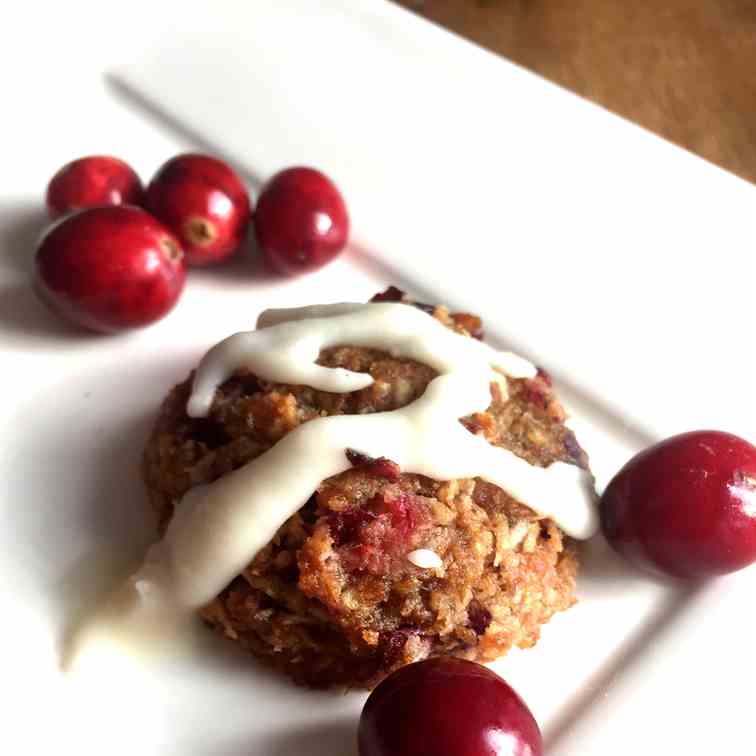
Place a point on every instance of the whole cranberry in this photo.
(204, 203)
(446, 707)
(301, 221)
(685, 507)
(93, 181)
(110, 268)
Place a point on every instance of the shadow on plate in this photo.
(377, 267)
(337, 738)
(24, 318)
(604, 573)
(599, 685)
(103, 509)
(22, 223)
(22, 315)
(245, 267)
(133, 97)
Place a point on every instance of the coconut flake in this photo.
(425, 559)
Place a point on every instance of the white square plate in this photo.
(621, 263)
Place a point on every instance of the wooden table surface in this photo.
(685, 69)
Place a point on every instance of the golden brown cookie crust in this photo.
(333, 600)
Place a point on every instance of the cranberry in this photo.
(391, 294)
(370, 537)
(109, 268)
(301, 221)
(478, 617)
(471, 323)
(534, 393)
(393, 643)
(574, 450)
(346, 526)
(686, 506)
(204, 203)
(93, 181)
(446, 707)
(378, 466)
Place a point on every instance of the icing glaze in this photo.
(218, 528)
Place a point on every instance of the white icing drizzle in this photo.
(217, 529)
(287, 344)
(425, 559)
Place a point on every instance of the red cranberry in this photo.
(346, 526)
(301, 221)
(370, 537)
(392, 645)
(478, 617)
(686, 506)
(379, 466)
(204, 203)
(93, 181)
(109, 268)
(534, 393)
(391, 294)
(447, 707)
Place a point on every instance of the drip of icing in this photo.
(217, 529)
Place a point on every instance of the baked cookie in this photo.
(380, 566)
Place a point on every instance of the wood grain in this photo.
(685, 69)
